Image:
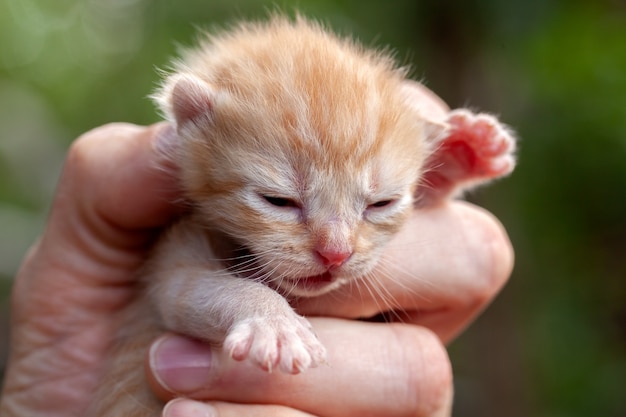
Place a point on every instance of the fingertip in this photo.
(495, 243)
(182, 407)
(165, 138)
(165, 142)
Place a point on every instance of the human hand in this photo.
(110, 202)
(83, 268)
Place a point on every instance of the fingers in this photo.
(443, 268)
(113, 191)
(373, 369)
(110, 196)
(188, 408)
(99, 227)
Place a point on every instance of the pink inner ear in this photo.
(191, 100)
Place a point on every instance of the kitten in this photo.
(301, 155)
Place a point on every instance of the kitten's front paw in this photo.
(286, 342)
(476, 149)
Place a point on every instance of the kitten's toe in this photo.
(482, 146)
(300, 349)
(248, 339)
(477, 148)
(238, 343)
(286, 343)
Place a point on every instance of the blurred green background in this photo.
(554, 343)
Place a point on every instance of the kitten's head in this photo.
(303, 148)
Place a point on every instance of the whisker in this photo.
(383, 298)
(392, 271)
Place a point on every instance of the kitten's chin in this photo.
(311, 286)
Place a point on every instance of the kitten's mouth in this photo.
(315, 282)
(315, 285)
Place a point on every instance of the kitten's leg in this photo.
(250, 319)
(476, 149)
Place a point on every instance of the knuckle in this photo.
(494, 256)
(428, 375)
(84, 145)
(499, 257)
(85, 157)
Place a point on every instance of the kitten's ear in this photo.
(186, 98)
(432, 109)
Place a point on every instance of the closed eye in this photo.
(381, 204)
(280, 201)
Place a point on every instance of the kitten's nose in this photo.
(333, 258)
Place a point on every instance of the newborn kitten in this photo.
(301, 154)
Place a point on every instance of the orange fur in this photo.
(289, 137)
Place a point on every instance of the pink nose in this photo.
(333, 258)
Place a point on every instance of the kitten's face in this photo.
(315, 203)
(309, 162)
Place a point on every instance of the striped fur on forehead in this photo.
(297, 69)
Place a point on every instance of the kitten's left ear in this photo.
(432, 109)
(186, 98)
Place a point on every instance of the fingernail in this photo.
(166, 140)
(181, 365)
(188, 408)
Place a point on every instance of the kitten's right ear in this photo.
(187, 98)
(431, 108)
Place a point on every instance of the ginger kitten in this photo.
(301, 154)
